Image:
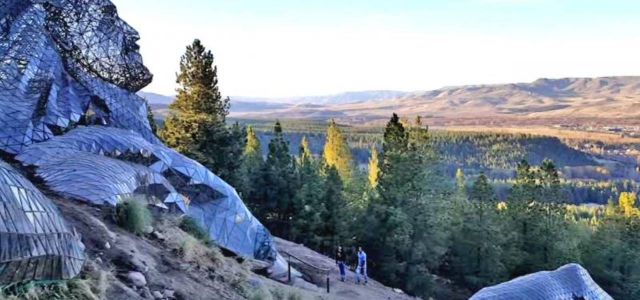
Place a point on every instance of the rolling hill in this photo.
(544, 99)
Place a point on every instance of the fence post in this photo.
(289, 268)
(328, 288)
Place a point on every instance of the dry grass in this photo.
(609, 138)
(91, 285)
(188, 247)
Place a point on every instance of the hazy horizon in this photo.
(289, 49)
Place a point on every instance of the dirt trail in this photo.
(341, 290)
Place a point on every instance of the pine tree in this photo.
(374, 168)
(252, 166)
(481, 190)
(550, 181)
(305, 150)
(337, 152)
(197, 126)
(279, 185)
(405, 239)
(335, 205)
(232, 170)
(477, 249)
(309, 209)
(151, 118)
(253, 149)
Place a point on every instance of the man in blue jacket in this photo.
(362, 266)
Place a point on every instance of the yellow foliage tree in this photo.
(627, 202)
(374, 167)
(337, 152)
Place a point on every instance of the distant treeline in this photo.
(472, 152)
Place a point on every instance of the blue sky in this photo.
(291, 48)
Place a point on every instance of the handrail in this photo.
(304, 262)
(327, 270)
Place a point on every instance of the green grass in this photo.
(191, 226)
(134, 216)
(90, 285)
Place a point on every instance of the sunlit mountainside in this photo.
(552, 99)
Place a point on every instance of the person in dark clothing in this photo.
(341, 263)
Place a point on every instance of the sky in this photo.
(308, 47)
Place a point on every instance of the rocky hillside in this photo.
(169, 263)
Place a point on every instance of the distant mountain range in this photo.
(566, 98)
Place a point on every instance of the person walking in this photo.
(341, 263)
(362, 266)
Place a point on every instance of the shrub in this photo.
(278, 294)
(134, 216)
(75, 289)
(191, 226)
(259, 295)
(294, 296)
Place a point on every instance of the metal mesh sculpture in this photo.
(35, 242)
(214, 203)
(571, 281)
(69, 70)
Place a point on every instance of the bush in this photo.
(191, 226)
(134, 216)
(75, 289)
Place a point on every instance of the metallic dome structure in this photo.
(69, 113)
(570, 282)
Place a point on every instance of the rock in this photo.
(399, 291)
(184, 267)
(171, 294)
(107, 245)
(146, 293)
(158, 235)
(137, 279)
(98, 260)
(148, 229)
(255, 283)
(157, 295)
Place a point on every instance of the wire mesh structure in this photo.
(35, 241)
(69, 71)
(96, 152)
(569, 282)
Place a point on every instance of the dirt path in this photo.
(341, 290)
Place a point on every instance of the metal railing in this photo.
(327, 271)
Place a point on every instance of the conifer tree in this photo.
(253, 149)
(252, 166)
(335, 206)
(151, 118)
(374, 168)
(279, 185)
(309, 209)
(477, 250)
(305, 150)
(231, 165)
(197, 126)
(337, 152)
(481, 190)
(550, 181)
(404, 238)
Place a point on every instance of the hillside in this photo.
(544, 101)
(557, 100)
(171, 264)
